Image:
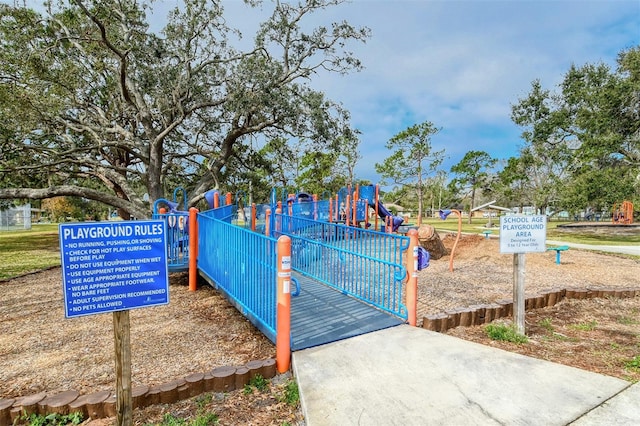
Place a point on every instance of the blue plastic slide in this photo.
(396, 221)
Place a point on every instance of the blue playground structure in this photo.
(345, 279)
(353, 207)
(177, 229)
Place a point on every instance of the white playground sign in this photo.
(523, 234)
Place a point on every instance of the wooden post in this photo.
(518, 291)
(455, 243)
(193, 248)
(412, 279)
(283, 312)
(122, 343)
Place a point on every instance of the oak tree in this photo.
(95, 104)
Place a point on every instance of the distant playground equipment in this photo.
(178, 223)
(348, 207)
(622, 214)
(351, 208)
(558, 250)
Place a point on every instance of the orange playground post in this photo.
(315, 206)
(290, 203)
(376, 204)
(253, 217)
(412, 277)
(283, 313)
(267, 222)
(331, 210)
(193, 248)
(278, 220)
(356, 196)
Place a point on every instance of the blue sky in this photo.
(462, 64)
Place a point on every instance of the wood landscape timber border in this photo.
(484, 314)
(103, 404)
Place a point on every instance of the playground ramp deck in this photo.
(321, 314)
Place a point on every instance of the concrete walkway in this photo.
(411, 376)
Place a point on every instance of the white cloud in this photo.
(461, 64)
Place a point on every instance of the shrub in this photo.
(505, 332)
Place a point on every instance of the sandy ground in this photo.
(481, 274)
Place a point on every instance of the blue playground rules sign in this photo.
(113, 266)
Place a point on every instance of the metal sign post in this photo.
(519, 235)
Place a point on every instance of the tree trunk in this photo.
(430, 241)
(473, 197)
(419, 222)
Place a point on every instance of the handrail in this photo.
(365, 264)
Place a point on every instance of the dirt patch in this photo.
(599, 335)
(482, 275)
(41, 351)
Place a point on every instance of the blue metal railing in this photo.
(383, 246)
(315, 210)
(224, 213)
(365, 264)
(240, 263)
(261, 217)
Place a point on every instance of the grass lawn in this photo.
(478, 225)
(29, 251)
